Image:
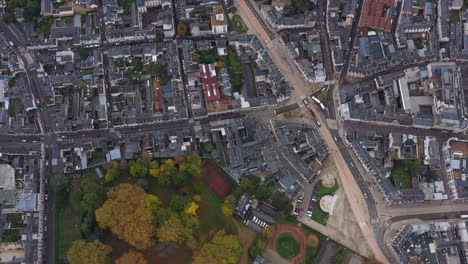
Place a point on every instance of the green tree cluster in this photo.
(208, 56)
(222, 249)
(59, 182)
(11, 235)
(95, 252)
(113, 172)
(229, 204)
(260, 242)
(252, 185)
(298, 7)
(179, 203)
(404, 171)
(92, 193)
(179, 175)
(208, 148)
(128, 212)
(32, 10)
(138, 168)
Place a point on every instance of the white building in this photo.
(218, 21)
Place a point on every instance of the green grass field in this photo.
(239, 24)
(234, 62)
(287, 246)
(319, 216)
(211, 216)
(327, 191)
(67, 224)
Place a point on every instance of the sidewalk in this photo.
(273, 257)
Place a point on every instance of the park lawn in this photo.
(319, 216)
(234, 62)
(239, 24)
(327, 191)
(287, 245)
(322, 96)
(211, 216)
(67, 224)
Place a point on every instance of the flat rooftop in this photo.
(7, 177)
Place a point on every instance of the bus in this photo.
(318, 102)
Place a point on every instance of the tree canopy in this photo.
(404, 171)
(223, 249)
(192, 208)
(228, 206)
(164, 172)
(92, 193)
(191, 165)
(113, 172)
(128, 212)
(172, 230)
(138, 168)
(83, 252)
(59, 182)
(252, 185)
(131, 257)
(179, 203)
(182, 29)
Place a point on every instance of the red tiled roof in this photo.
(372, 15)
(209, 81)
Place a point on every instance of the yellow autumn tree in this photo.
(164, 172)
(223, 248)
(128, 212)
(83, 252)
(268, 231)
(192, 208)
(228, 206)
(131, 257)
(227, 209)
(172, 230)
(191, 165)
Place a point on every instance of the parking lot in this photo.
(307, 200)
